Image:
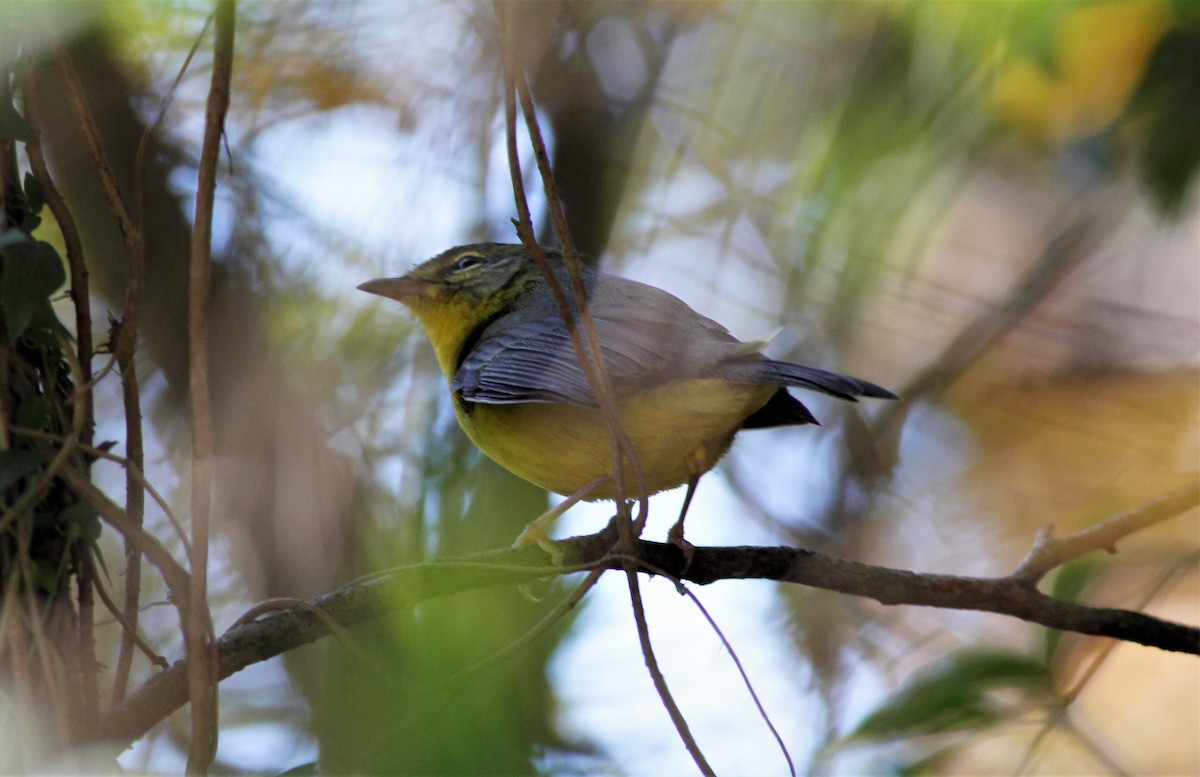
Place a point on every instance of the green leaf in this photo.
(953, 696)
(32, 272)
(13, 125)
(16, 464)
(35, 198)
(32, 413)
(1035, 29)
(80, 520)
(1165, 105)
(45, 575)
(1069, 582)
(926, 764)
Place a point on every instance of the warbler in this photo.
(683, 386)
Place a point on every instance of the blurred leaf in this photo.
(44, 575)
(33, 412)
(1186, 10)
(80, 521)
(35, 198)
(1033, 29)
(1069, 582)
(32, 272)
(1072, 578)
(953, 696)
(1168, 98)
(16, 464)
(927, 764)
(13, 126)
(1099, 55)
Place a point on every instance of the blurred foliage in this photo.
(973, 692)
(47, 534)
(953, 696)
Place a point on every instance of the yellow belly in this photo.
(676, 429)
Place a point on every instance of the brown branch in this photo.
(80, 289)
(198, 631)
(591, 358)
(175, 576)
(260, 640)
(130, 628)
(1004, 596)
(660, 682)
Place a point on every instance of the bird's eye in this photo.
(467, 260)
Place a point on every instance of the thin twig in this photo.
(124, 348)
(660, 682)
(135, 495)
(737, 662)
(86, 665)
(174, 575)
(137, 640)
(622, 447)
(198, 632)
(591, 359)
(529, 637)
(101, 453)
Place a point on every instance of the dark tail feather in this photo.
(782, 409)
(831, 383)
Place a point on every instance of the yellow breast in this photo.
(678, 429)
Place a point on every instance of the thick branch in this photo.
(280, 632)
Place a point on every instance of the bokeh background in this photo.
(987, 207)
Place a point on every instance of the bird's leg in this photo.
(697, 465)
(535, 533)
(675, 535)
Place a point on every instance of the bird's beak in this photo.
(401, 289)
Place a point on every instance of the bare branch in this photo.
(198, 631)
(660, 682)
(1048, 552)
(250, 643)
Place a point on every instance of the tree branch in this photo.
(259, 640)
(1048, 552)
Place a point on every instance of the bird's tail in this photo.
(831, 383)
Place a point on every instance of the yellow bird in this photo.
(683, 386)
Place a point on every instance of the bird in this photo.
(682, 385)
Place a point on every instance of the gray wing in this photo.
(647, 337)
(643, 345)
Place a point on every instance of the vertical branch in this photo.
(80, 288)
(202, 678)
(126, 338)
(660, 682)
(591, 358)
(135, 495)
(82, 364)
